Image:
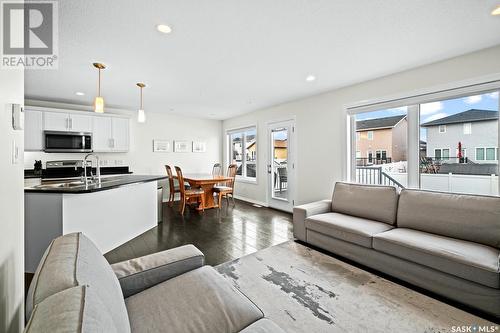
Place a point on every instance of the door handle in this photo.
(269, 168)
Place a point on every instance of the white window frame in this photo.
(368, 137)
(467, 128)
(243, 177)
(484, 153)
(412, 100)
(495, 155)
(443, 127)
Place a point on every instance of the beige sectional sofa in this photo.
(75, 290)
(446, 243)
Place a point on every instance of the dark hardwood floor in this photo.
(232, 233)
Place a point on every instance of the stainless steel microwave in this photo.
(67, 142)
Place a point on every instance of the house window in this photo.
(358, 136)
(243, 152)
(479, 154)
(467, 128)
(446, 154)
(490, 154)
(442, 128)
(370, 135)
(437, 154)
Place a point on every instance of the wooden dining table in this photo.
(206, 182)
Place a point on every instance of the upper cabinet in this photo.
(33, 130)
(110, 133)
(59, 121)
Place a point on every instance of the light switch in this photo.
(15, 152)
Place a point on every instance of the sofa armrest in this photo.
(300, 213)
(138, 274)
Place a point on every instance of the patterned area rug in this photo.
(304, 290)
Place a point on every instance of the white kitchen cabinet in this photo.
(120, 132)
(33, 130)
(110, 134)
(55, 121)
(72, 122)
(101, 134)
(80, 123)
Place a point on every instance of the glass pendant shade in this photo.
(141, 116)
(99, 104)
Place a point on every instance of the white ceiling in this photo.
(228, 57)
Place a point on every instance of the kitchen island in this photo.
(110, 213)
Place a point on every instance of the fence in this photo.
(471, 184)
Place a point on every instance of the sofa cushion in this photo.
(73, 260)
(76, 309)
(471, 261)
(469, 217)
(348, 228)
(263, 326)
(198, 301)
(371, 202)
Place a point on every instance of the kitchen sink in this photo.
(61, 185)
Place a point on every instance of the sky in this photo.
(441, 109)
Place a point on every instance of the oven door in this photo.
(67, 142)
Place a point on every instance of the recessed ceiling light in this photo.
(79, 93)
(496, 11)
(164, 28)
(310, 78)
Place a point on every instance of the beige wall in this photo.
(321, 122)
(11, 207)
(382, 140)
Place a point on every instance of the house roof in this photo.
(464, 117)
(387, 122)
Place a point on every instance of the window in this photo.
(358, 136)
(467, 162)
(479, 154)
(437, 154)
(467, 128)
(381, 158)
(445, 153)
(490, 154)
(243, 152)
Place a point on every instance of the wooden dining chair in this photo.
(217, 170)
(228, 188)
(173, 186)
(187, 194)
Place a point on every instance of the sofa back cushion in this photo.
(377, 203)
(73, 260)
(74, 310)
(468, 217)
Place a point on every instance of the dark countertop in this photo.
(74, 186)
(71, 172)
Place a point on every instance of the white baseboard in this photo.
(261, 203)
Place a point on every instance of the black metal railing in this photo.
(375, 176)
(366, 161)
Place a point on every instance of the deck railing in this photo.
(366, 161)
(375, 176)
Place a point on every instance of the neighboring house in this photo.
(381, 140)
(476, 130)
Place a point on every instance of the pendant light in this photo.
(141, 115)
(99, 101)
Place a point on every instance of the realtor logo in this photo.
(29, 34)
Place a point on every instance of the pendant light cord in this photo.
(99, 84)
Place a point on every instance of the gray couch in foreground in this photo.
(75, 290)
(446, 243)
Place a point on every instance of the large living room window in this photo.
(243, 152)
(448, 144)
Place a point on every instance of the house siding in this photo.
(484, 134)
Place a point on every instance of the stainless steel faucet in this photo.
(98, 170)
